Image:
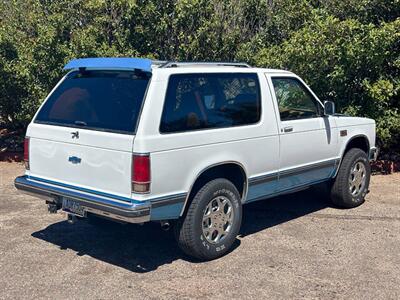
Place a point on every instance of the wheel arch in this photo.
(360, 141)
(214, 171)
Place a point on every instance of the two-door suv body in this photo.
(188, 144)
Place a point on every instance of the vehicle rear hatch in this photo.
(83, 134)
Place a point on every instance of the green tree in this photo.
(348, 51)
(353, 64)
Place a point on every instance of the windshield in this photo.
(99, 100)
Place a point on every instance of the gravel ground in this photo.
(295, 246)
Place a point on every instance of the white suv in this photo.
(188, 144)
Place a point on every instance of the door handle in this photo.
(288, 129)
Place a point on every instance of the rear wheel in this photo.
(352, 181)
(212, 221)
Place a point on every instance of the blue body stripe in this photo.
(162, 208)
(284, 191)
(111, 196)
(274, 184)
(260, 187)
(85, 190)
(170, 211)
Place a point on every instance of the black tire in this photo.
(189, 230)
(340, 189)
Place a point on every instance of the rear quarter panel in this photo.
(177, 159)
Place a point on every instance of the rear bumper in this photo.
(132, 212)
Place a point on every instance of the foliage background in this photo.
(347, 51)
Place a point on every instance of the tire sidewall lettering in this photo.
(216, 248)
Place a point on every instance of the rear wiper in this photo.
(80, 123)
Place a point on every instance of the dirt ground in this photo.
(295, 246)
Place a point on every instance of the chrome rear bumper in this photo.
(132, 212)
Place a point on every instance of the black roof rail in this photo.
(175, 64)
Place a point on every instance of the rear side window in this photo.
(99, 100)
(201, 101)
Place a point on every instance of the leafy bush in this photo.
(353, 64)
(346, 50)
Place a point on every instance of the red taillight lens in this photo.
(141, 173)
(26, 152)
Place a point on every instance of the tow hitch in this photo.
(71, 219)
(52, 208)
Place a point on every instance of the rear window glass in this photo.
(99, 100)
(215, 100)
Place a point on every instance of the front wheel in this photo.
(352, 181)
(212, 221)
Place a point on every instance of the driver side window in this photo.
(294, 100)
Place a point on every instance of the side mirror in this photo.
(329, 108)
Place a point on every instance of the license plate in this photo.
(73, 207)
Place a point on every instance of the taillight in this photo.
(141, 176)
(26, 152)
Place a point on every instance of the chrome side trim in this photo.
(310, 167)
(263, 178)
(134, 212)
(293, 171)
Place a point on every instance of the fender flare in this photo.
(241, 166)
(344, 150)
